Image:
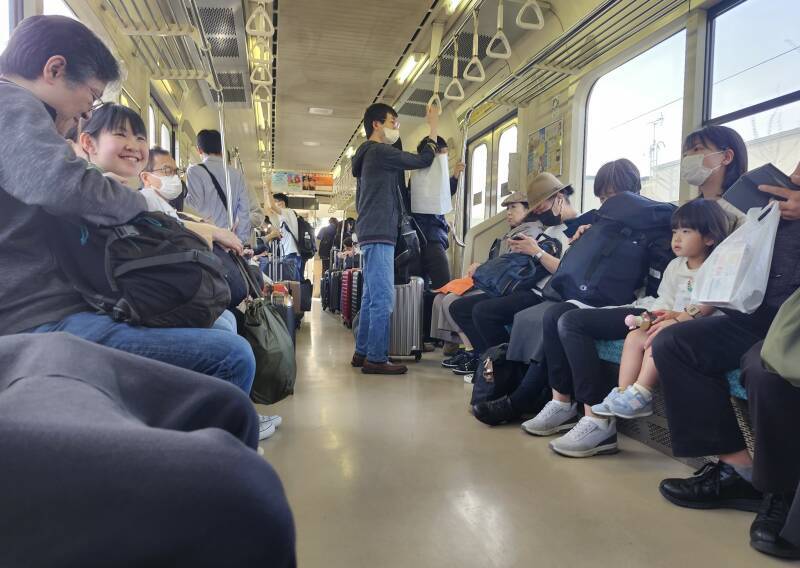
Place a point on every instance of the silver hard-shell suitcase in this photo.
(405, 338)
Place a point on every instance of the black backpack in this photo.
(306, 242)
(151, 271)
(496, 376)
(627, 247)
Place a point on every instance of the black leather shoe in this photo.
(713, 486)
(468, 367)
(494, 412)
(455, 360)
(765, 532)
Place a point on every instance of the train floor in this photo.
(385, 472)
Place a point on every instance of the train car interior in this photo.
(393, 283)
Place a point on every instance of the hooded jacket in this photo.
(376, 167)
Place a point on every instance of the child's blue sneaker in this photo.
(603, 408)
(632, 403)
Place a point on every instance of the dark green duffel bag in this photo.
(781, 350)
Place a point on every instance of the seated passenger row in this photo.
(688, 348)
(147, 416)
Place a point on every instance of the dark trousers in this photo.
(111, 459)
(432, 265)
(326, 264)
(582, 376)
(533, 391)
(692, 359)
(483, 319)
(774, 406)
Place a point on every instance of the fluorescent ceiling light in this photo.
(310, 143)
(261, 146)
(362, 131)
(260, 120)
(320, 111)
(337, 171)
(452, 5)
(412, 65)
(350, 152)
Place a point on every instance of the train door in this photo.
(489, 165)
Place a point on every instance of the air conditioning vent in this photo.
(420, 96)
(231, 95)
(414, 109)
(464, 54)
(218, 21)
(231, 80)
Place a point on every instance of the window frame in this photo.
(743, 112)
(583, 91)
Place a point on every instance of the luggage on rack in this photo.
(346, 300)
(405, 338)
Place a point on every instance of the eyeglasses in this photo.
(168, 171)
(97, 100)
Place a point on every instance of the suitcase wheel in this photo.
(417, 356)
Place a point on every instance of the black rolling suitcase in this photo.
(356, 291)
(336, 291)
(325, 290)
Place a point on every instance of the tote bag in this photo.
(430, 188)
(735, 274)
(781, 350)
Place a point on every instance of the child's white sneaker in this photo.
(603, 409)
(635, 402)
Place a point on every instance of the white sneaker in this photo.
(266, 427)
(468, 378)
(554, 417)
(589, 437)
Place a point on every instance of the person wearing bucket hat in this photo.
(483, 318)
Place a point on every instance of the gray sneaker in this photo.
(604, 408)
(267, 426)
(553, 418)
(587, 438)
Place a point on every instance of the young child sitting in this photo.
(697, 227)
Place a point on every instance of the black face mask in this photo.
(550, 219)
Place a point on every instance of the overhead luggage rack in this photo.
(609, 25)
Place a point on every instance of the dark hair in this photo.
(72, 134)
(567, 192)
(281, 197)
(616, 177)
(704, 216)
(724, 138)
(441, 144)
(348, 242)
(379, 112)
(209, 141)
(38, 38)
(111, 117)
(333, 221)
(155, 151)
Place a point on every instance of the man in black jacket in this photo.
(376, 166)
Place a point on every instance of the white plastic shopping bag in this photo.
(430, 188)
(735, 274)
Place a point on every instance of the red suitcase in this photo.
(346, 300)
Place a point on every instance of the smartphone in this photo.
(744, 193)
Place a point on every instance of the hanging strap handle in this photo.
(474, 70)
(499, 39)
(261, 75)
(253, 27)
(537, 11)
(435, 99)
(262, 94)
(264, 51)
(455, 84)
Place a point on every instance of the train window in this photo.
(755, 48)
(635, 111)
(166, 138)
(507, 146)
(151, 125)
(477, 184)
(57, 8)
(5, 23)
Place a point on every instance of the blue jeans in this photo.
(377, 302)
(225, 322)
(215, 352)
(292, 266)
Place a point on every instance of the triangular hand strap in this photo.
(537, 11)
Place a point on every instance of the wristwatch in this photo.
(692, 310)
(539, 255)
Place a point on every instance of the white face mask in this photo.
(171, 187)
(392, 135)
(693, 171)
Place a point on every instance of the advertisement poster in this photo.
(289, 182)
(544, 149)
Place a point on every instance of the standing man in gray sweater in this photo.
(377, 165)
(53, 72)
